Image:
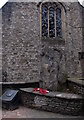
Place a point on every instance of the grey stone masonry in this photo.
(27, 56)
(64, 103)
(76, 85)
(21, 41)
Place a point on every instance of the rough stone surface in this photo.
(74, 39)
(77, 85)
(21, 42)
(64, 104)
(27, 57)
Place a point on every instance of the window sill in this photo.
(55, 40)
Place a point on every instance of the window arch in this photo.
(51, 20)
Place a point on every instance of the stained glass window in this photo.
(58, 22)
(44, 21)
(51, 21)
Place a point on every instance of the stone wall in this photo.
(28, 57)
(82, 60)
(76, 85)
(53, 101)
(83, 28)
(23, 50)
(21, 42)
(73, 39)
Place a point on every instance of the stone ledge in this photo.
(5, 83)
(79, 81)
(19, 84)
(54, 94)
(52, 101)
(55, 40)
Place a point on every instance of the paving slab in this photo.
(23, 112)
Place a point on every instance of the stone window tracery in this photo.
(51, 20)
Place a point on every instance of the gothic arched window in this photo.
(51, 20)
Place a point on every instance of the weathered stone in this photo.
(77, 85)
(51, 102)
(25, 52)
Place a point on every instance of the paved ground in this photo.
(23, 112)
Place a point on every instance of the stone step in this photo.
(64, 103)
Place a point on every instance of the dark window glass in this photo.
(58, 22)
(44, 21)
(81, 55)
(48, 20)
(51, 22)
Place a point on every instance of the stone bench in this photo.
(64, 103)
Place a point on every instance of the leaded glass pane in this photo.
(51, 22)
(44, 21)
(58, 22)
